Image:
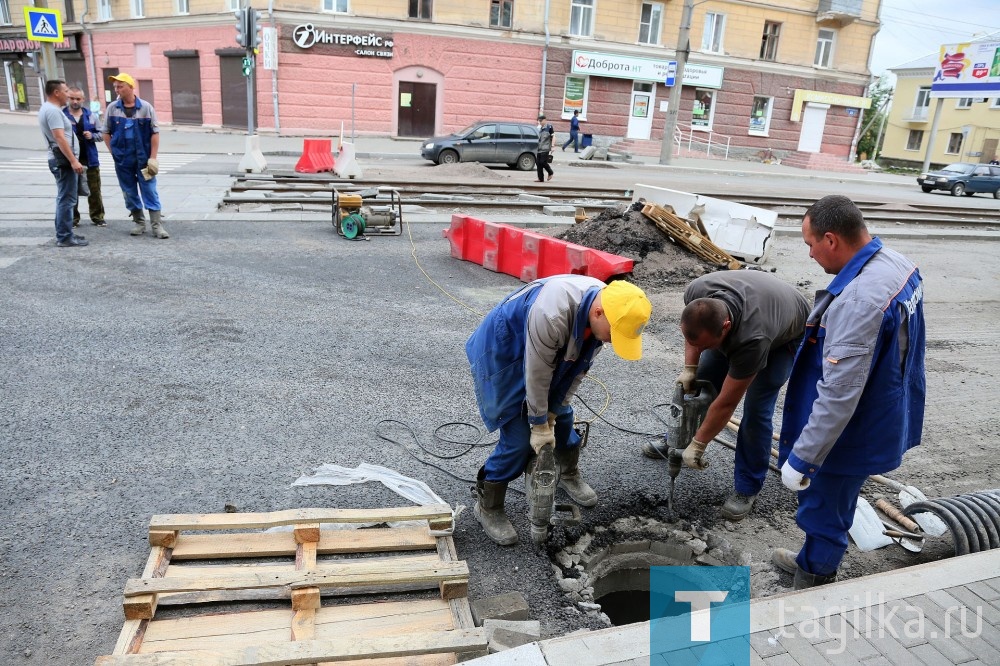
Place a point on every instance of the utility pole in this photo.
(48, 51)
(674, 103)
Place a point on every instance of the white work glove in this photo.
(793, 479)
(687, 377)
(552, 420)
(542, 435)
(152, 168)
(693, 455)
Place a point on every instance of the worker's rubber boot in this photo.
(657, 450)
(156, 221)
(784, 559)
(140, 223)
(490, 513)
(804, 579)
(570, 479)
(737, 506)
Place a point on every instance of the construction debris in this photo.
(691, 235)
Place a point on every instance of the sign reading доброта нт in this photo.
(644, 69)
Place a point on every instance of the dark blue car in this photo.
(963, 178)
(489, 142)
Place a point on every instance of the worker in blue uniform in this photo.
(528, 357)
(855, 399)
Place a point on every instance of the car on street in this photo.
(963, 178)
(487, 141)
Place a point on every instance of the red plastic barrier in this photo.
(316, 156)
(525, 254)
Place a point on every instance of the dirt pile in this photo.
(624, 230)
(462, 170)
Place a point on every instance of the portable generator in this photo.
(376, 211)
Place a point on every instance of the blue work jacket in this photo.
(87, 121)
(131, 138)
(497, 350)
(855, 398)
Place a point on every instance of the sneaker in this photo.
(737, 506)
(73, 241)
(76, 223)
(100, 223)
(79, 237)
(550, 176)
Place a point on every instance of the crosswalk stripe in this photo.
(167, 162)
(7, 261)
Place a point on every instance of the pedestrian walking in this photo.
(63, 161)
(85, 129)
(544, 154)
(574, 133)
(133, 137)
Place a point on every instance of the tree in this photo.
(881, 96)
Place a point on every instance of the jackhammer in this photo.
(685, 415)
(541, 478)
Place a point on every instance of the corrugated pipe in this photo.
(973, 519)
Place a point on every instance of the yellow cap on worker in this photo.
(123, 78)
(627, 310)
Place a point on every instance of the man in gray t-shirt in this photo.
(63, 160)
(741, 330)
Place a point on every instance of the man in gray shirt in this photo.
(741, 330)
(63, 162)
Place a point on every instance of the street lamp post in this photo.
(674, 103)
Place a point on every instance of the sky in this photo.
(913, 28)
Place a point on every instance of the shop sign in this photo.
(24, 45)
(373, 45)
(644, 69)
(820, 97)
(970, 69)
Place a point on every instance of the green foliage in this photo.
(881, 96)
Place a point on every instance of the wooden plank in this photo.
(144, 606)
(461, 613)
(165, 538)
(436, 513)
(342, 575)
(306, 652)
(306, 533)
(275, 544)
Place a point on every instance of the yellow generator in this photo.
(376, 211)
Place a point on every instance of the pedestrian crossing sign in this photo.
(43, 25)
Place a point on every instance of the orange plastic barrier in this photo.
(525, 254)
(317, 156)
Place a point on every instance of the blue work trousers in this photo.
(133, 184)
(510, 457)
(753, 441)
(67, 184)
(826, 513)
(574, 138)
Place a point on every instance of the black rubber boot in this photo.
(490, 512)
(571, 481)
(804, 579)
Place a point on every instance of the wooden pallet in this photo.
(691, 235)
(411, 632)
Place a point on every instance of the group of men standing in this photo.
(854, 363)
(131, 134)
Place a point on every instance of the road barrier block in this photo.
(317, 155)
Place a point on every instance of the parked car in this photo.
(488, 141)
(963, 178)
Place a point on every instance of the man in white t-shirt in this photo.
(63, 161)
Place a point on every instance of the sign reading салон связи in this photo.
(365, 44)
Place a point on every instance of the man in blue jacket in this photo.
(855, 400)
(87, 136)
(574, 133)
(528, 357)
(133, 137)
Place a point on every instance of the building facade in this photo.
(968, 130)
(790, 75)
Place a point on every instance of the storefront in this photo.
(22, 67)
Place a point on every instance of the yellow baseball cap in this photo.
(123, 78)
(628, 310)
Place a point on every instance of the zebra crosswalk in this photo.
(39, 163)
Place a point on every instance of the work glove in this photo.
(687, 377)
(152, 168)
(793, 479)
(542, 435)
(552, 420)
(693, 453)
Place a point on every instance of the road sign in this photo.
(270, 48)
(43, 25)
(671, 73)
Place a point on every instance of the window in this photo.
(420, 9)
(138, 8)
(769, 41)
(5, 12)
(183, 7)
(824, 48)
(234, 5)
(103, 10)
(760, 116)
(581, 17)
(914, 140)
(337, 6)
(703, 110)
(711, 39)
(954, 143)
(501, 13)
(996, 103)
(650, 20)
(963, 103)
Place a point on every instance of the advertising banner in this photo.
(967, 70)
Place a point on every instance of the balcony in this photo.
(917, 114)
(838, 12)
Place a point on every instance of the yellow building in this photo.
(787, 75)
(968, 130)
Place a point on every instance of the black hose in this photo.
(973, 519)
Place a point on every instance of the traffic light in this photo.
(241, 27)
(253, 29)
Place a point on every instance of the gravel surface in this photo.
(145, 377)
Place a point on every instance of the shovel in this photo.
(928, 522)
(867, 530)
(911, 540)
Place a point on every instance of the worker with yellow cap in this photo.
(528, 357)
